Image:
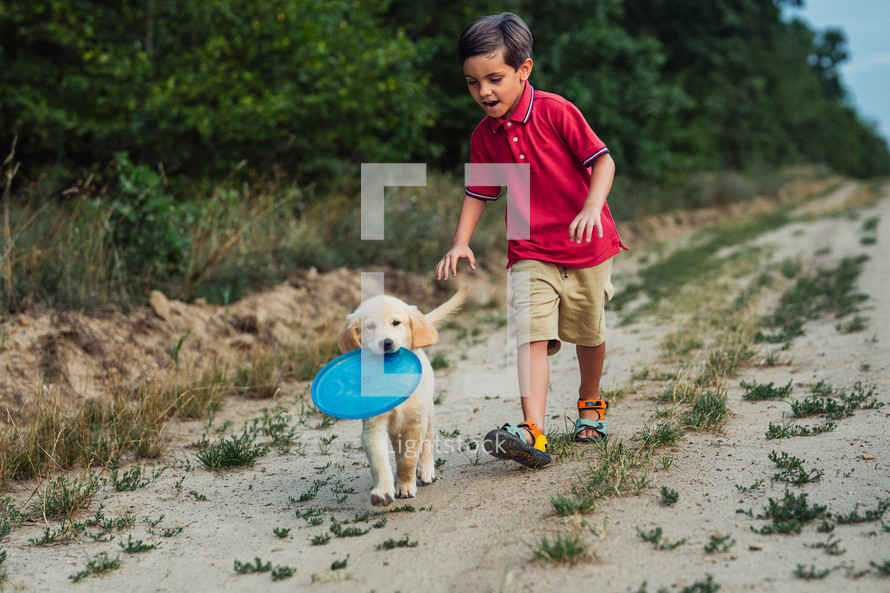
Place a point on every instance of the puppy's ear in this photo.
(350, 337)
(423, 332)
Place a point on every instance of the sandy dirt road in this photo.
(475, 527)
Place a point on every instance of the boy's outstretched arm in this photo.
(470, 213)
(601, 176)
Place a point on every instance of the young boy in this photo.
(561, 270)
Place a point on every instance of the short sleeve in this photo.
(479, 154)
(579, 136)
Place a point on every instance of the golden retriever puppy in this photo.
(383, 324)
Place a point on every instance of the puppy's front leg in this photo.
(408, 447)
(374, 442)
(426, 468)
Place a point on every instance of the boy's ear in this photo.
(350, 338)
(423, 333)
(525, 69)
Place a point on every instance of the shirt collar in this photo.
(523, 111)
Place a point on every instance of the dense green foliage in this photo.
(200, 86)
(206, 147)
(764, 91)
(309, 87)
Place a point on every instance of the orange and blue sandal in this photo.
(508, 442)
(598, 425)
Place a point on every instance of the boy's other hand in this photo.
(584, 224)
(449, 262)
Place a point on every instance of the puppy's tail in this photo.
(442, 312)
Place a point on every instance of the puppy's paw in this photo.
(382, 497)
(427, 475)
(406, 490)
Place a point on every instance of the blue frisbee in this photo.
(344, 389)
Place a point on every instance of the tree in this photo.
(829, 51)
(200, 86)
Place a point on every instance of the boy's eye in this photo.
(495, 80)
(472, 82)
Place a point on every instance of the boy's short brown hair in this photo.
(489, 34)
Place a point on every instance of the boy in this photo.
(560, 271)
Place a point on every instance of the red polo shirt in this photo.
(549, 134)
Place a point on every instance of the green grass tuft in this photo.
(62, 497)
(661, 435)
(827, 291)
(573, 505)
(392, 544)
(669, 496)
(564, 548)
(708, 411)
(759, 392)
(659, 542)
(96, 566)
(230, 452)
(252, 567)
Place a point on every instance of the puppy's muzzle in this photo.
(387, 345)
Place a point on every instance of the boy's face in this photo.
(496, 86)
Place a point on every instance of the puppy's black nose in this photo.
(387, 345)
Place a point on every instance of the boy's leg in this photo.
(534, 379)
(534, 376)
(590, 363)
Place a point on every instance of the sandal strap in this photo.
(597, 404)
(599, 426)
(581, 424)
(540, 440)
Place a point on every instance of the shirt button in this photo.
(515, 138)
(522, 156)
(509, 123)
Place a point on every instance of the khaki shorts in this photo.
(554, 303)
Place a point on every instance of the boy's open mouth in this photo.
(490, 104)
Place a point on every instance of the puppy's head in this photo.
(384, 324)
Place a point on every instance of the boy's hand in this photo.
(449, 262)
(583, 225)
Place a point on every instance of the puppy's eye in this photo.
(371, 326)
(396, 322)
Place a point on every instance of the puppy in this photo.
(384, 324)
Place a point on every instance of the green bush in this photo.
(149, 229)
(301, 85)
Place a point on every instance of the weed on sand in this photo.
(97, 566)
(708, 585)
(656, 537)
(62, 497)
(697, 263)
(230, 452)
(258, 566)
(835, 404)
(669, 496)
(792, 470)
(826, 291)
(661, 435)
(789, 514)
(755, 391)
(785, 430)
(719, 543)
(392, 544)
(615, 470)
(573, 505)
(563, 548)
(708, 411)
